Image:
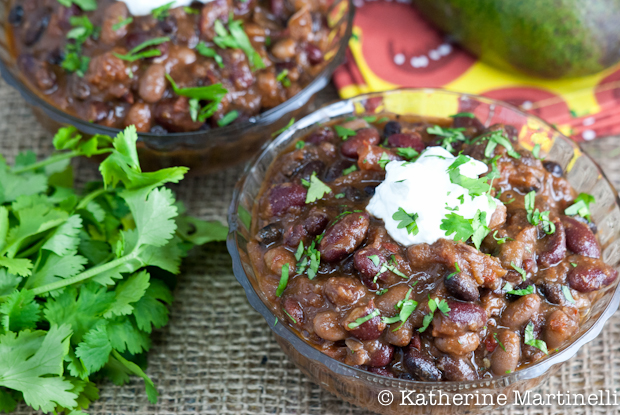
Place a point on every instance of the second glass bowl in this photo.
(371, 391)
(201, 151)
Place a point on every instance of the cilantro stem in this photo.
(56, 158)
(86, 274)
(90, 197)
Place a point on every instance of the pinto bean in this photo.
(369, 330)
(277, 258)
(343, 291)
(282, 197)
(553, 246)
(456, 369)
(139, 115)
(369, 156)
(115, 13)
(558, 329)
(591, 276)
(344, 236)
(105, 70)
(363, 136)
(293, 309)
(327, 326)
(461, 318)
(211, 12)
(420, 366)
(284, 49)
(367, 268)
(521, 311)
(462, 287)
(153, 83)
(356, 355)
(505, 361)
(407, 140)
(580, 239)
(458, 345)
(300, 25)
(401, 337)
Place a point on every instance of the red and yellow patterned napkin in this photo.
(393, 46)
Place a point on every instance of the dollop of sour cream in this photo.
(144, 7)
(423, 187)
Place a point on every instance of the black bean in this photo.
(269, 234)
(421, 367)
(35, 25)
(462, 287)
(370, 190)
(553, 168)
(159, 130)
(391, 127)
(16, 15)
(354, 195)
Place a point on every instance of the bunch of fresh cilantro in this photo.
(82, 273)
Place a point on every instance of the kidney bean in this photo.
(115, 13)
(462, 287)
(456, 369)
(173, 114)
(321, 135)
(505, 361)
(269, 234)
(591, 276)
(553, 168)
(152, 83)
(327, 326)
(381, 371)
(363, 137)
(39, 73)
(391, 127)
(369, 330)
(369, 156)
(344, 236)
(312, 225)
(420, 366)
(282, 197)
(521, 311)
(407, 140)
(458, 345)
(467, 122)
(343, 292)
(139, 114)
(553, 248)
(558, 329)
(284, 49)
(277, 258)
(314, 54)
(461, 318)
(35, 24)
(366, 267)
(381, 353)
(16, 15)
(580, 239)
(294, 309)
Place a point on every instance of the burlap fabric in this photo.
(217, 355)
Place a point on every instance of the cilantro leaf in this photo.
(359, 321)
(534, 216)
(20, 311)
(283, 280)
(407, 153)
(94, 350)
(161, 12)
(208, 52)
(316, 189)
(520, 270)
(581, 206)
(349, 170)
(532, 341)
(496, 138)
(459, 226)
(344, 132)
(449, 136)
(567, 294)
(522, 292)
(139, 51)
(127, 292)
(463, 114)
(134, 369)
(86, 5)
(200, 232)
(151, 311)
(384, 160)
(406, 220)
(237, 39)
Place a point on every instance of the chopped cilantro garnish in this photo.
(531, 341)
(290, 316)
(375, 260)
(536, 151)
(283, 129)
(370, 118)
(522, 292)
(433, 305)
(228, 118)
(497, 138)
(340, 196)
(498, 342)
(86, 5)
(121, 23)
(213, 93)
(463, 229)
(573, 264)
(475, 187)
(191, 10)
(519, 270)
(450, 136)
(406, 307)
(161, 12)
(463, 114)
(407, 153)
(82, 30)
(384, 160)
(283, 78)
(138, 52)
(343, 132)
(275, 322)
(283, 280)
(567, 294)
(406, 220)
(458, 269)
(381, 292)
(534, 216)
(383, 119)
(349, 170)
(316, 189)
(501, 241)
(237, 39)
(208, 52)
(300, 144)
(358, 322)
(581, 206)
(308, 259)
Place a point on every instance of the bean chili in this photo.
(444, 311)
(175, 70)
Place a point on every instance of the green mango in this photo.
(545, 38)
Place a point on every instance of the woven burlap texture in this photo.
(217, 355)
